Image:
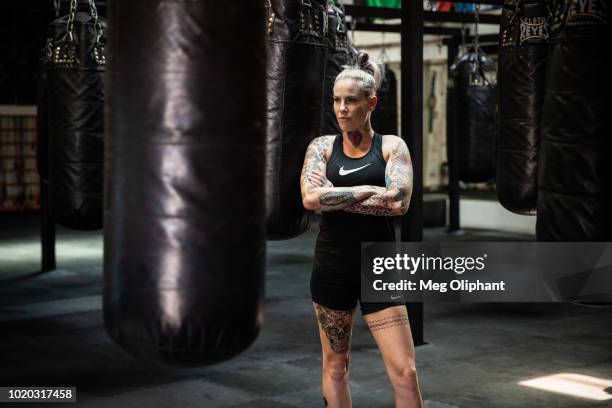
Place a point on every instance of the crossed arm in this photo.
(318, 193)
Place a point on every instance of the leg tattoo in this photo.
(386, 322)
(337, 325)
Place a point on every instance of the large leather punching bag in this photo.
(340, 54)
(75, 99)
(472, 99)
(520, 80)
(184, 236)
(574, 168)
(297, 47)
(384, 117)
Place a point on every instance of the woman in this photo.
(358, 180)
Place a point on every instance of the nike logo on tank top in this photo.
(344, 171)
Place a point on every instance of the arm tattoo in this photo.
(387, 322)
(398, 174)
(336, 198)
(337, 326)
(375, 205)
(398, 177)
(314, 161)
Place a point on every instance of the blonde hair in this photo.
(366, 72)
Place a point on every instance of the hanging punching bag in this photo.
(384, 117)
(574, 170)
(184, 236)
(297, 47)
(472, 99)
(42, 120)
(520, 80)
(75, 100)
(339, 54)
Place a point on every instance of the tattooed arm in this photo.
(323, 196)
(398, 178)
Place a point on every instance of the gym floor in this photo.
(476, 354)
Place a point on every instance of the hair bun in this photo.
(373, 68)
(364, 63)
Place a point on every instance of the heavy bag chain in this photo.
(341, 32)
(312, 22)
(64, 52)
(479, 76)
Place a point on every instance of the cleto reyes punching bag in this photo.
(297, 47)
(75, 67)
(184, 236)
(472, 99)
(340, 53)
(520, 80)
(574, 178)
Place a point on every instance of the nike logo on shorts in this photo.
(345, 172)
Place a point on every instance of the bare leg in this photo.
(391, 331)
(335, 332)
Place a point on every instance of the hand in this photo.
(318, 179)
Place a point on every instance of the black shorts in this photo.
(335, 282)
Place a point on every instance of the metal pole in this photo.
(47, 230)
(452, 150)
(412, 133)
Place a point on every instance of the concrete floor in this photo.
(52, 334)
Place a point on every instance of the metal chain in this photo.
(71, 16)
(463, 47)
(476, 37)
(477, 21)
(97, 24)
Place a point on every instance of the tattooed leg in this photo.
(391, 331)
(387, 322)
(337, 326)
(335, 332)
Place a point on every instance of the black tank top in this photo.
(344, 171)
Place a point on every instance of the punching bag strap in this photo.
(99, 47)
(271, 16)
(312, 22)
(62, 52)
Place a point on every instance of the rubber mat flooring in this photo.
(476, 355)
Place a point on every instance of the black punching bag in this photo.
(472, 99)
(297, 47)
(340, 53)
(520, 80)
(42, 120)
(75, 99)
(384, 117)
(184, 236)
(574, 171)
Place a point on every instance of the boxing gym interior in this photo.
(154, 247)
